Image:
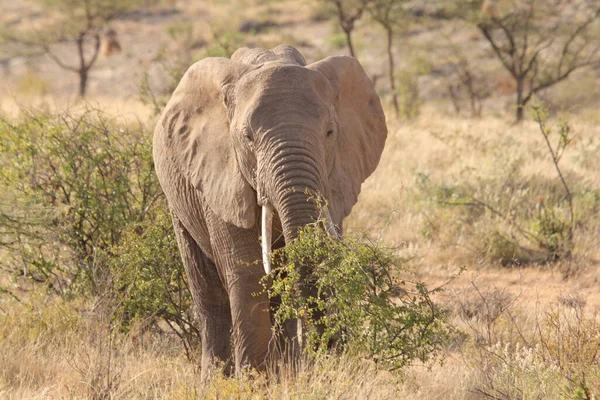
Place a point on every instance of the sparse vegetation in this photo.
(81, 23)
(468, 84)
(513, 219)
(539, 44)
(554, 356)
(409, 97)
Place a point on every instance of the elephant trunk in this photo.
(296, 186)
(300, 209)
(296, 210)
(289, 181)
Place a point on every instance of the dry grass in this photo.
(53, 352)
(449, 151)
(63, 350)
(68, 350)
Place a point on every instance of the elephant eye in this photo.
(330, 132)
(247, 134)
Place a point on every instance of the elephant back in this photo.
(283, 54)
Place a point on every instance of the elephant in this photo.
(240, 150)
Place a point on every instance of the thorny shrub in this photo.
(347, 291)
(87, 178)
(86, 218)
(149, 277)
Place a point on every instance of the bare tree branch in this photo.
(348, 12)
(57, 60)
(531, 43)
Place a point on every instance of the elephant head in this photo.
(263, 130)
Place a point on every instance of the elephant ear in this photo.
(198, 140)
(362, 131)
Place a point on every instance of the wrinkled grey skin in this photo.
(260, 129)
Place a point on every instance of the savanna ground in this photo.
(473, 204)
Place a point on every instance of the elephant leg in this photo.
(252, 333)
(237, 253)
(210, 299)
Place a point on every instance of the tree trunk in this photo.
(519, 114)
(83, 78)
(83, 70)
(392, 74)
(520, 102)
(348, 33)
(473, 99)
(454, 98)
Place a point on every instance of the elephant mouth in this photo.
(267, 232)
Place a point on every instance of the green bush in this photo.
(149, 276)
(347, 291)
(83, 179)
(86, 218)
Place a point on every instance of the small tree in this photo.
(79, 22)
(347, 13)
(388, 13)
(539, 43)
(565, 137)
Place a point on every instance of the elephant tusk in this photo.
(266, 234)
(329, 226)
